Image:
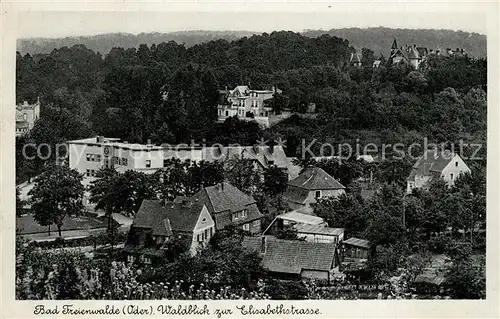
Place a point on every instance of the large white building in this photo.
(88, 155)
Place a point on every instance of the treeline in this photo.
(380, 39)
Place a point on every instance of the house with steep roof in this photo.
(309, 186)
(436, 164)
(294, 259)
(229, 206)
(310, 228)
(158, 222)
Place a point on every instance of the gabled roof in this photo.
(357, 242)
(223, 197)
(262, 154)
(315, 178)
(355, 58)
(292, 256)
(413, 53)
(164, 219)
(432, 161)
(422, 51)
(302, 218)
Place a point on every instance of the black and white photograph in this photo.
(250, 156)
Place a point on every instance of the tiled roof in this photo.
(318, 229)
(295, 194)
(357, 242)
(431, 161)
(262, 154)
(315, 178)
(422, 51)
(293, 256)
(223, 197)
(153, 214)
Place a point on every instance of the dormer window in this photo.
(318, 194)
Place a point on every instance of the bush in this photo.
(286, 290)
(437, 245)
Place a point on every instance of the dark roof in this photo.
(223, 197)
(431, 161)
(295, 194)
(292, 256)
(422, 51)
(413, 53)
(315, 178)
(163, 219)
(394, 45)
(357, 242)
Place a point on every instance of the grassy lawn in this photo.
(27, 224)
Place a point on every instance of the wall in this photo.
(456, 167)
(203, 225)
(311, 198)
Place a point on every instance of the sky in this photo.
(63, 23)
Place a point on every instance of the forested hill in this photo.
(380, 39)
(104, 42)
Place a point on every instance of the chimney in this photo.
(186, 203)
(263, 245)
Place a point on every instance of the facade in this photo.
(158, 222)
(229, 206)
(89, 155)
(294, 259)
(355, 254)
(308, 187)
(26, 115)
(436, 164)
(246, 104)
(311, 228)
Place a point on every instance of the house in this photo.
(229, 206)
(436, 164)
(26, 116)
(311, 228)
(246, 104)
(262, 156)
(158, 222)
(312, 184)
(355, 254)
(355, 60)
(294, 259)
(376, 64)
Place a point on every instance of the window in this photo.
(148, 163)
(456, 164)
(246, 227)
(92, 157)
(98, 157)
(451, 176)
(256, 223)
(244, 213)
(206, 233)
(318, 194)
(124, 161)
(147, 260)
(211, 232)
(25, 116)
(88, 157)
(88, 172)
(130, 258)
(165, 162)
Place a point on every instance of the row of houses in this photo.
(411, 54)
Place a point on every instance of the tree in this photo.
(346, 211)
(275, 180)
(289, 233)
(58, 192)
(19, 203)
(242, 174)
